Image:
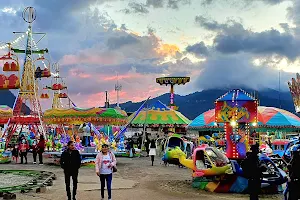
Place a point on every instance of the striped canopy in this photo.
(268, 117)
(159, 114)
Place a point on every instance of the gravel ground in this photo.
(152, 183)
(8, 180)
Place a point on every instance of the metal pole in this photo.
(144, 128)
(279, 89)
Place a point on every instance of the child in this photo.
(15, 153)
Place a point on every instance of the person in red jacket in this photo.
(23, 148)
(41, 148)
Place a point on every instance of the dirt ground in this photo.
(136, 179)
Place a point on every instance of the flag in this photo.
(123, 130)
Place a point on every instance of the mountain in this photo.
(193, 104)
(196, 103)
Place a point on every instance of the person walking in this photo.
(70, 161)
(41, 148)
(152, 151)
(105, 165)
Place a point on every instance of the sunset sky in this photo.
(232, 43)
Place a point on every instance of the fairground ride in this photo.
(172, 81)
(27, 82)
(59, 89)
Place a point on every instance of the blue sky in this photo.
(232, 43)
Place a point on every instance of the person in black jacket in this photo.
(70, 161)
(294, 183)
(253, 172)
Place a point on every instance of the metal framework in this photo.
(29, 88)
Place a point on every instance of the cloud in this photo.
(220, 71)
(199, 49)
(117, 42)
(155, 3)
(174, 4)
(232, 38)
(136, 8)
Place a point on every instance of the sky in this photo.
(218, 43)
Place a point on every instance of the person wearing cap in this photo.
(104, 164)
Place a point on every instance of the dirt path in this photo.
(135, 180)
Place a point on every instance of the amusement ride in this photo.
(172, 81)
(26, 109)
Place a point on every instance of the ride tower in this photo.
(238, 111)
(28, 90)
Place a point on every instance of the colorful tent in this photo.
(98, 116)
(159, 114)
(5, 113)
(268, 117)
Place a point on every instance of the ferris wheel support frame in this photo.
(28, 89)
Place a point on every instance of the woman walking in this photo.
(41, 149)
(152, 152)
(105, 165)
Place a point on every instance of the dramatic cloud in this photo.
(232, 37)
(220, 71)
(96, 44)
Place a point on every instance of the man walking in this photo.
(70, 161)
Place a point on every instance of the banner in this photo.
(238, 111)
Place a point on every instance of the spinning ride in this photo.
(28, 87)
(172, 81)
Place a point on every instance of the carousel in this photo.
(160, 118)
(90, 117)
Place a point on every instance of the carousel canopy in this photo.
(98, 116)
(159, 114)
(268, 117)
(5, 113)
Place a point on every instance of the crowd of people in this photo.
(105, 165)
(22, 147)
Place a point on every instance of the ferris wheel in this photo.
(26, 109)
